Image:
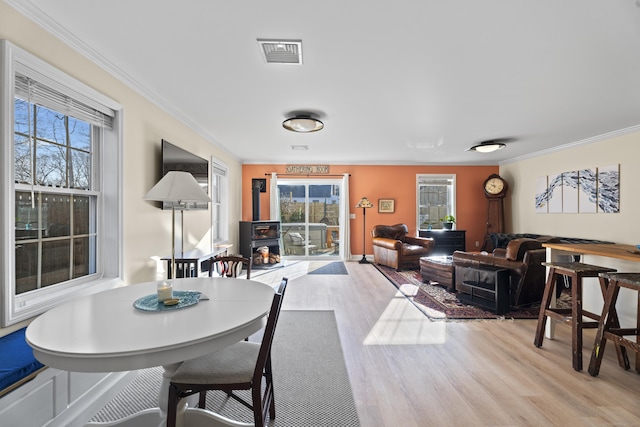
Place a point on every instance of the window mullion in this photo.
(40, 245)
(71, 235)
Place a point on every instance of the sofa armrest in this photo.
(500, 252)
(386, 243)
(518, 247)
(477, 259)
(425, 242)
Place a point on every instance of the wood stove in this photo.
(260, 241)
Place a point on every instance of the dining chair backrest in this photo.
(229, 266)
(230, 370)
(264, 356)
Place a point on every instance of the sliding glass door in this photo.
(310, 218)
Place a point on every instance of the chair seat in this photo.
(585, 270)
(242, 366)
(232, 365)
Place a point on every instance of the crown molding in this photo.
(28, 9)
(590, 140)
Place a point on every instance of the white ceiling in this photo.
(403, 82)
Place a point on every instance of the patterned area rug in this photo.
(439, 304)
(336, 267)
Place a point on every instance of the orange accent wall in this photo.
(391, 182)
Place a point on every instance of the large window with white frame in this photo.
(436, 199)
(61, 187)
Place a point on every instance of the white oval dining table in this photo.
(104, 332)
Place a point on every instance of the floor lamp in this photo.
(365, 204)
(177, 188)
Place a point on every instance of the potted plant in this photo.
(448, 221)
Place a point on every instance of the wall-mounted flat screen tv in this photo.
(176, 159)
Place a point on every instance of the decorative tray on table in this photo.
(184, 299)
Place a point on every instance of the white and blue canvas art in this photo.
(581, 191)
(554, 193)
(609, 189)
(542, 205)
(570, 192)
(588, 194)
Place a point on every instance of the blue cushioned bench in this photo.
(17, 364)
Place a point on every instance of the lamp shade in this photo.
(364, 203)
(303, 124)
(178, 187)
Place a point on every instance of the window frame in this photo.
(420, 180)
(109, 270)
(219, 171)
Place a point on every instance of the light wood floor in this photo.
(408, 371)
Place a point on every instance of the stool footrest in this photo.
(589, 325)
(622, 341)
(591, 316)
(624, 331)
(560, 311)
(565, 318)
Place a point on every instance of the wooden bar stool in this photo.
(574, 315)
(608, 328)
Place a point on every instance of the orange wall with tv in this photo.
(389, 182)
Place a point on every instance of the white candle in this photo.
(165, 291)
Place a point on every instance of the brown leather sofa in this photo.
(522, 256)
(393, 248)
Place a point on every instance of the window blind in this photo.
(435, 181)
(218, 170)
(41, 94)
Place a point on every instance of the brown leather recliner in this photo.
(522, 256)
(393, 248)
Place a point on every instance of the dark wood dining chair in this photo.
(241, 366)
(229, 265)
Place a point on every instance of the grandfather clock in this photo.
(495, 189)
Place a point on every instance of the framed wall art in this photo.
(587, 190)
(386, 205)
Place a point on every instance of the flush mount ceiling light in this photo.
(488, 146)
(281, 51)
(303, 124)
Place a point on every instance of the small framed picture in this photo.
(386, 205)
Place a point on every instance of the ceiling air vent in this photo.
(281, 51)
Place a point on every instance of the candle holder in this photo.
(165, 291)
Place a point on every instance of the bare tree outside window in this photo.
(55, 231)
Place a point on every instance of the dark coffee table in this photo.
(438, 270)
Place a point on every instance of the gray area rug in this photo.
(311, 383)
(336, 267)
